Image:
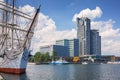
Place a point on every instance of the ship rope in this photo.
(3, 62)
(17, 38)
(4, 40)
(12, 28)
(31, 27)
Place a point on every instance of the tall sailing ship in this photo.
(16, 32)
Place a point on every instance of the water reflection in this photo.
(68, 72)
(60, 72)
(83, 72)
(6, 76)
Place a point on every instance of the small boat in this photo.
(60, 61)
(84, 63)
(116, 62)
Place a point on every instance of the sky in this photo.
(57, 20)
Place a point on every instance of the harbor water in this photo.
(68, 72)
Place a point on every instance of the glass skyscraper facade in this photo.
(95, 42)
(83, 34)
(89, 40)
(72, 44)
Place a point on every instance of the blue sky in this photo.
(62, 11)
(55, 21)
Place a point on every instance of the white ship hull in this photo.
(17, 65)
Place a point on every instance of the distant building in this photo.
(45, 49)
(89, 40)
(62, 51)
(95, 47)
(64, 42)
(72, 44)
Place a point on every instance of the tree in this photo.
(54, 55)
(37, 57)
(46, 57)
(31, 59)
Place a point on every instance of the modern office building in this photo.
(64, 42)
(83, 34)
(95, 43)
(72, 44)
(47, 48)
(89, 40)
(62, 51)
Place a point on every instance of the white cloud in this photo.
(46, 33)
(28, 9)
(95, 13)
(109, 35)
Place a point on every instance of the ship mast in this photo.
(31, 25)
(12, 23)
(4, 29)
(17, 27)
(6, 14)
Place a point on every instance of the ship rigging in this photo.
(16, 32)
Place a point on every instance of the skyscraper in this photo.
(89, 40)
(95, 43)
(83, 34)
